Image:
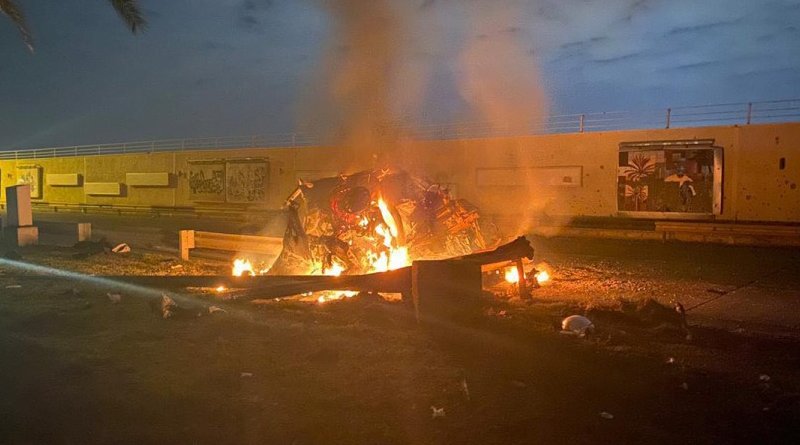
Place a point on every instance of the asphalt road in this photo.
(729, 286)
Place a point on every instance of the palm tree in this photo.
(128, 10)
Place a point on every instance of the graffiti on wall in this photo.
(666, 180)
(207, 180)
(229, 180)
(247, 180)
(31, 175)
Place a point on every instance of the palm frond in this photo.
(130, 13)
(13, 12)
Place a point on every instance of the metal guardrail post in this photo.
(749, 112)
(583, 120)
(669, 116)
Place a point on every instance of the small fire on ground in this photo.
(539, 272)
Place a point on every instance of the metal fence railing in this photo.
(775, 111)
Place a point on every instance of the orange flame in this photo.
(242, 266)
(542, 277)
(335, 270)
(335, 295)
(388, 217)
(512, 275)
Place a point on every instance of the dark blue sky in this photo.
(240, 67)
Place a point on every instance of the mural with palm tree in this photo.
(639, 167)
(638, 194)
(128, 10)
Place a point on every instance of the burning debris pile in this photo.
(375, 221)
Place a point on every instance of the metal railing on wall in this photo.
(775, 111)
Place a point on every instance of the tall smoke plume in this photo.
(380, 57)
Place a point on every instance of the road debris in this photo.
(606, 415)
(87, 249)
(215, 309)
(246, 375)
(114, 298)
(168, 306)
(121, 248)
(437, 412)
(14, 286)
(465, 388)
(764, 378)
(577, 325)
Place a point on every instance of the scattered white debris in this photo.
(764, 378)
(215, 309)
(168, 306)
(437, 412)
(671, 360)
(176, 266)
(246, 375)
(121, 248)
(465, 388)
(606, 415)
(114, 298)
(577, 325)
(14, 286)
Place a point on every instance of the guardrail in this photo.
(775, 111)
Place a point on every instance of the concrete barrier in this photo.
(194, 239)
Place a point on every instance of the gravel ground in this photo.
(77, 367)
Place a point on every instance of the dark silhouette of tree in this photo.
(128, 10)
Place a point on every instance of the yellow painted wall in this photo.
(754, 188)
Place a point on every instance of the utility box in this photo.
(19, 230)
(20, 211)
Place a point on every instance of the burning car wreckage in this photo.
(375, 221)
(382, 232)
(382, 220)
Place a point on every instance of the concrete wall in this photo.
(755, 188)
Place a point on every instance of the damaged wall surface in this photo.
(562, 175)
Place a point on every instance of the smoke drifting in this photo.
(381, 55)
(500, 77)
